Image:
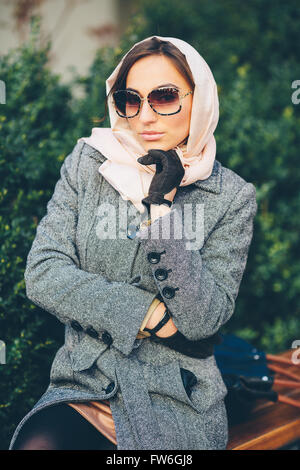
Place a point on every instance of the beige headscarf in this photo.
(121, 148)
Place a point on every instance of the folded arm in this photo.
(200, 286)
(55, 282)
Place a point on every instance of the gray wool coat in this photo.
(101, 288)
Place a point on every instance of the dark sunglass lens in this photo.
(120, 101)
(165, 100)
(127, 103)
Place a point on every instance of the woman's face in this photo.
(145, 75)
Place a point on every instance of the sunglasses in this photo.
(164, 100)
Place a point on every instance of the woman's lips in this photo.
(152, 136)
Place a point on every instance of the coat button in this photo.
(76, 325)
(110, 387)
(106, 338)
(154, 257)
(161, 274)
(168, 292)
(92, 332)
(131, 231)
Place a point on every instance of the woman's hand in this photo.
(170, 196)
(168, 329)
(168, 175)
(161, 210)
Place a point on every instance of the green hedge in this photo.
(34, 127)
(257, 136)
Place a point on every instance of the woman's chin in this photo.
(156, 146)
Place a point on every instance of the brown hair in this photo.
(153, 46)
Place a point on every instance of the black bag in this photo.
(247, 372)
(250, 375)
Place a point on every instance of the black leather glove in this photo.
(189, 380)
(169, 173)
(200, 349)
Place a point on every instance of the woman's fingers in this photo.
(150, 158)
(145, 160)
(167, 330)
(156, 316)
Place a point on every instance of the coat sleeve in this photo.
(55, 282)
(201, 284)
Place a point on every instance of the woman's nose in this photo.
(146, 113)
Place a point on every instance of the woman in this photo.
(141, 308)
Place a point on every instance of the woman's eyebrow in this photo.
(159, 86)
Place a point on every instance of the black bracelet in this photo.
(162, 322)
(157, 199)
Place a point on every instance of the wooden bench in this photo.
(270, 425)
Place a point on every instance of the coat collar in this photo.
(212, 184)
